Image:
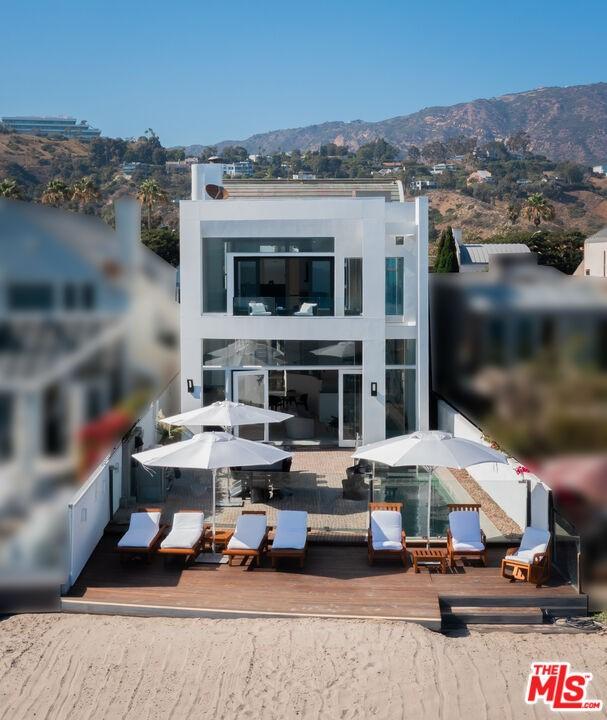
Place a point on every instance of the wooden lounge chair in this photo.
(250, 538)
(186, 537)
(386, 537)
(530, 562)
(291, 537)
(143, 536)
(465, 539)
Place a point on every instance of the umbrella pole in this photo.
(430, 470)
(213, 529)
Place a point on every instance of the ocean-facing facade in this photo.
(314, 305)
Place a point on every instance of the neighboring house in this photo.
(176, 165)
(480, 177)
(486, 325)
(594, 263)
(422, 184)
(475, 257)
(304, 175)
(87, 316)
(600, 169)
(440, 168)
(243, 168)
(46, 125)
(287, 303)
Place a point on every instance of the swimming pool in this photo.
(409, 487)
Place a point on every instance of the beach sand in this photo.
(82, 667)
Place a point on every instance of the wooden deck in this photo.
(336, 582)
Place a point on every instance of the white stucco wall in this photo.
(499, 481)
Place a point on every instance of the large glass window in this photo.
(312, 397)
(30, 296)
(213, 386)
(353, 286)
(400, 401)
(214, 297)
(283, 285)
(280, 353)
(278, 245)
(400, 352)
(395, 286)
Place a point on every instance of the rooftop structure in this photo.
(474, 257)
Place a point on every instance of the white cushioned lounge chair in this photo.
(465, 539)
(250, 538)
(386, 537)
(291, 536)
(186, 537)
(143, 535)
(258, 308)
(529, 562)
(306, 309)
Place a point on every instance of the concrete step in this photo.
(470, 615)
(561, 604)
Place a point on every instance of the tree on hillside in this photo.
(55, 193)
(85, 191)
(151, 194)
(537, 209)
(446, 258)
(10, 189)
(414, 153)
(513, 212)
(519, 142)
(434, 152)
(164, 242)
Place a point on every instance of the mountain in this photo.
(568, 123)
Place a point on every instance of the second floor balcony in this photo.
(284, 305)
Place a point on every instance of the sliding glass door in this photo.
(251, 387)
(350, 416)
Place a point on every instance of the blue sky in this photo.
(209, 70)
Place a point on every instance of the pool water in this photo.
(406, 486)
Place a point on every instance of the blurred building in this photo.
(595, 255)
(87, 320)
(47, 125)
(491, 331)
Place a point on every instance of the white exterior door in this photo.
(350, 407)
(251, 387)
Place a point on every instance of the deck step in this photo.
(557, 604)
(469, 615)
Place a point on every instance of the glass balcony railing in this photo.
(288, 305)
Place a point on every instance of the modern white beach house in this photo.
(317, 305)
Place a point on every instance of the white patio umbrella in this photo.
(431, 448)
(211, 451)
(226, 414)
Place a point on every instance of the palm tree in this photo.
(537, 208)
(10, 189)
(55, 193)
(513, 212)
(151, 194)
(85, 191)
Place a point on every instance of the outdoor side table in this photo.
(429, 556)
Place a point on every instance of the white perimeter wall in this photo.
(499, 481)
(89, 511)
